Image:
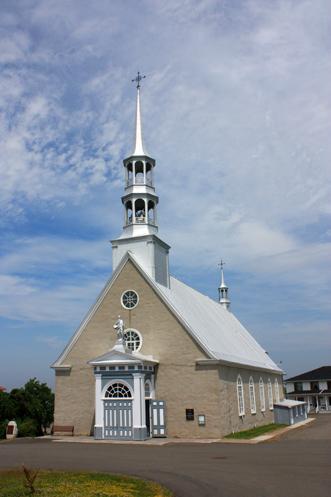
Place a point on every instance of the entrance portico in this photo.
(124, 385)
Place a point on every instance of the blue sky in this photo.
(236, 111)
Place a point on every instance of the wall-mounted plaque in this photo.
(189, 414)
(201, 420)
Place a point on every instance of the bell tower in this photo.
(140, 209)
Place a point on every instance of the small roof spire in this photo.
(223, 289)
(138, 145)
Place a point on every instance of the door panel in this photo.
(118, 419)
(158, 418)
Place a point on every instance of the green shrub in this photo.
(3, 426)
(27, 428)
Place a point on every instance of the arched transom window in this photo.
(240, 395)
(262, 396)
(270, 396)
(133, 340)
(118, 391)
(252, 396)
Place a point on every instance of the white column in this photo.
(144, 171)
(98, 401)
(138, 407)
(146, 211)
(134, 172)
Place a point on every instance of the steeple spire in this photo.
(140, 229)
(138, 145)
(223, 289)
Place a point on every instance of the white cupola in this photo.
(140, 205)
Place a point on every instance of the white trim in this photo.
(240, 396)
(151, 389)
(98, 401)
(262, 395)
(140, 338)
(134, 306)
(270, 395)
(111, 382)
(251, 391)
(62, 368)
(138, 405)
(277, 397)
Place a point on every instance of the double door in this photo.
(118, 419)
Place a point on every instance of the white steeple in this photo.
(140, 204)
(138, 142)
(223, 289)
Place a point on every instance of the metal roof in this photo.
(215, 328)
(322, 373)
(289, 403)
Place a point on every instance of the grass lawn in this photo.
(63, 484)
(255, 432)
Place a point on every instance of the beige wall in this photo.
(179, 381)
(232, 421)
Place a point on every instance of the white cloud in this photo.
(236, 109)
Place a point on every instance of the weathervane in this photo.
(137, 79)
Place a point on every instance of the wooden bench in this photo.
(63, 429)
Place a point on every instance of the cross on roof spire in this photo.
(137, 79)
(221, 264)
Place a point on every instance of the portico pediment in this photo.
(116, 356)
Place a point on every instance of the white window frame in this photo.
(127, 330)
(262, 395)
(252, 400)
(270, 395)
(277, 390)
(240, 396)
(150, 386)
(134, 306)
(124, 383)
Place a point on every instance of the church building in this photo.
(153, 357)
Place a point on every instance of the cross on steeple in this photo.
(221, 264)
(137, 79)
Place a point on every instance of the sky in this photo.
(236, 112)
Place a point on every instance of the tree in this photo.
(34, 402)
(39, 403)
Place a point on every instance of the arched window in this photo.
(277, 390)
(252, 401)
(129, 174)
(133, 340)
(262, 396)
(139, 170)
(149, 180)
(118, 391)
(240, 395)
(148, 389)
(151, 212)
(128, 207)
(140, 211)
(270, 397)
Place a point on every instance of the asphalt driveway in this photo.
(295, 465)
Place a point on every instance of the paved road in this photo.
(296, 465)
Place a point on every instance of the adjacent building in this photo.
(312, 387)
(153, 357)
